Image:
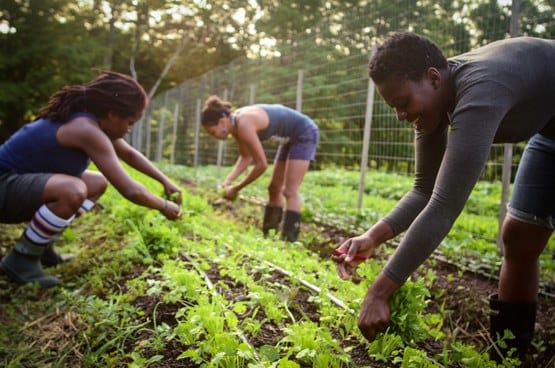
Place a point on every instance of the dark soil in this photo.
(462, 297)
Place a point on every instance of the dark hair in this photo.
(214, 109)
(109, 92)
(406, 55)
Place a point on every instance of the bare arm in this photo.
(250, 141)
(139, 162)
(243, 161)
(250, 149)
(84, 134)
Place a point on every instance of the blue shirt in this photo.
(284, 122)
(35, 149)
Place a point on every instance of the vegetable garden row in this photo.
(211, 291)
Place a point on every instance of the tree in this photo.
(44, 46)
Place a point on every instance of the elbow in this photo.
(133, 194)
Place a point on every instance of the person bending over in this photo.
(460, 107)
(250, 125)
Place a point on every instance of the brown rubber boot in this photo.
(519, 318)
(272, 219)
(291, 226)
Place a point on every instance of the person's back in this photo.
(502, 92)
(34, 149)
(513, 80)
(284, 122)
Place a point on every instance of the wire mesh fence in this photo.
(324, 74)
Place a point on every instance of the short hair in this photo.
(406, 55)
(108, 92)
(214, 109)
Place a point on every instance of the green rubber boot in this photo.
(272, 219)
(51, 258)
(291, 226)
(22, 264)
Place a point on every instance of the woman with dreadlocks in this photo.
(43, 169)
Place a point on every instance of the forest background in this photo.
(46, 44)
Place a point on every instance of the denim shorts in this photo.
(302, 147)
(533, 196)
(20, 196)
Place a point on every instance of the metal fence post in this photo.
(197, 133)
(366, 137)
(300, 78)
(174, 131)
(160, 136)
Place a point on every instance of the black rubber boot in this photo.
(272, 219)
(22, 264)
(519, 318)
(51, 258)
(291, 226)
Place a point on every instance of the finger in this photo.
(368, 332)
(338, 255)
(342, 271)
(352, 252)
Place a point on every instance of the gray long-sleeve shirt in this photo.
(505, 92)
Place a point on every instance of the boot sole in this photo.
(13, 276)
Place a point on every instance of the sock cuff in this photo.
(50, 218)
(44, 225)
(86, 206)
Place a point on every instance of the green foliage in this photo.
(189, 284)
(39, 63)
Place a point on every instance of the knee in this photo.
(288, 193)
(274, 189)
(75, 193)
(518, 242)
(98, 187)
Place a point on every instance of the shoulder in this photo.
(83, 124)
(251, 114)
(80, 131)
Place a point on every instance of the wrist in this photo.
(383, 287)
(165, 206)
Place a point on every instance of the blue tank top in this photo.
(34, 149)
(284, 122)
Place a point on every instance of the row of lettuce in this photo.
(144, 290)
(331, 196)
(190, 264)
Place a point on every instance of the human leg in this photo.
(53, 210)
(522, 245)
(525, 233)
(302, 152)
(294, 175)
(273, 211)
(96, 186)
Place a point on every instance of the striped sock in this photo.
(86, 206)
(44, 225)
